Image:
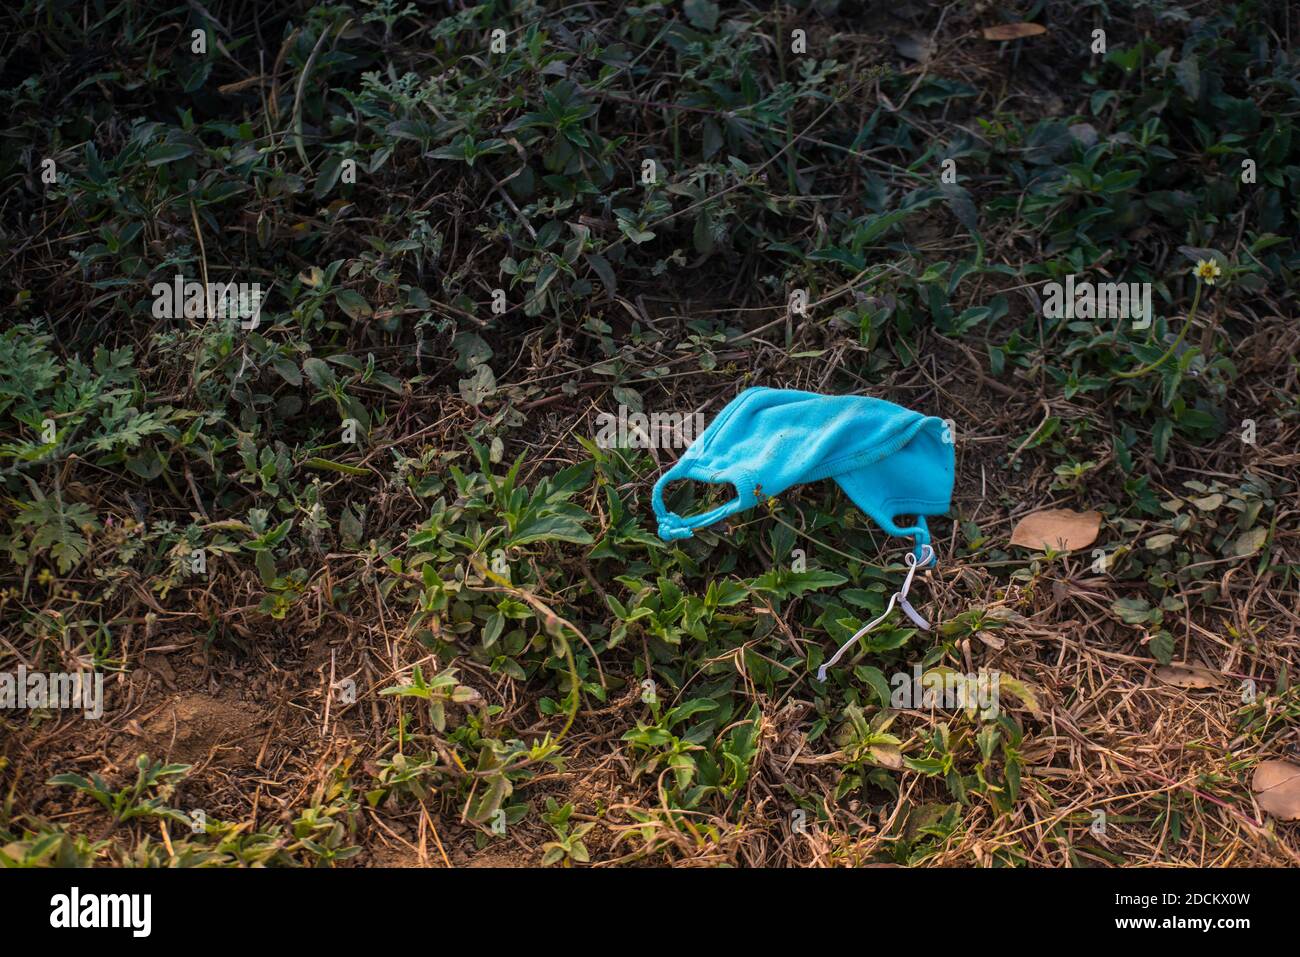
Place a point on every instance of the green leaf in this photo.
(875, 679)
(551, 528)
(288, 371)
(481, 384)
(1133, 611)
(350, 529)
(1162, 647)
(703, 14)
(328, 176)
(319, 373)
(688, 708)
(319, 463)
(1161, 432)
(265, 562)
(353, 304)
(1249, 542)
(789, 584)
(1019, 689)
(600, 265)
(167, 153)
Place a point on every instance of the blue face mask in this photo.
(889, 460)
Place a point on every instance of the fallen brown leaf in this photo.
(887, 756)
(1277, 789)
(1013, 31)
(1059, 529)
(1183, 674)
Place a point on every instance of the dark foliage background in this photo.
(436, 644)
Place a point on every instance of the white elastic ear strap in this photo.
(900, 596)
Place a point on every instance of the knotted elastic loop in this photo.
(673, 526)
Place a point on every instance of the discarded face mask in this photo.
(889, 460)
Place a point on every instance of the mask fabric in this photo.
(889, 460)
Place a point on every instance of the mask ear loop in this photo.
(900, 597)
(671, 525)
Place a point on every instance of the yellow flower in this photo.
(1207, 270)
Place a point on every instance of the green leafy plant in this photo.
(147, 796)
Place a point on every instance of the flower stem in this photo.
(1191, 316)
